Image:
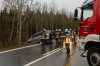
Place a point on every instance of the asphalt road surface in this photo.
(38, 55)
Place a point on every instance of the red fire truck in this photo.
(89, 31)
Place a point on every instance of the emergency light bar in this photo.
(87, 1)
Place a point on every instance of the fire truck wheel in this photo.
(93, 56)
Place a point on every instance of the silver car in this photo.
(37, 37)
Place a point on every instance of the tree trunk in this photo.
(12, 29)
(20, 29)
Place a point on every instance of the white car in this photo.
(37, 37)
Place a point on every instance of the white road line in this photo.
(51, 51)
(43, 57)
(19, 48)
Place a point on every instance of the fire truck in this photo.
(89, 30)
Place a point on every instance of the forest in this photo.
(20, 19)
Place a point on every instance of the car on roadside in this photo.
(37, 37)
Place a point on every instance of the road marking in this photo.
(43, 57)
(19, 48)
(51, 51)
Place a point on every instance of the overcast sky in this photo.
(67, 4)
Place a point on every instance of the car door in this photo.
(34, 36)
(38, 39)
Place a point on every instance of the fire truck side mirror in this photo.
(75, 14)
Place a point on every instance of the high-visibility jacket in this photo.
(74, 33)
(64, 36)
(72, 36)
(67, 41)
(43, 36)
(67, 35)
(57, 34)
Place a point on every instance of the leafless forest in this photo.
(21, 18)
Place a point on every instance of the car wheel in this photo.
(29, 42)
(93, 56)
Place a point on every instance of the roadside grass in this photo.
(16, 46)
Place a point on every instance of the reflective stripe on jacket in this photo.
(67, 41)
(72, 36)
(67, 35)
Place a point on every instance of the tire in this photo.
(93, 55)
(29, 42)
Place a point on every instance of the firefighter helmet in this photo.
(59, 29)
(44, 29)
(56, 29)
(52, 30)
(66, 30)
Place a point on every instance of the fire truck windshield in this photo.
(87, 12)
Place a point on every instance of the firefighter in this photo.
(60, 34)
(67, 32)
(51, 36)
(62, 38)
(57, 36)
(70, 30)
(43, 37)
(73, 34)
(67, 43)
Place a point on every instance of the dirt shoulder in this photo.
(14, 47)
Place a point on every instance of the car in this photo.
(37, 37)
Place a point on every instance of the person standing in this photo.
(73, 37)
(67, 44)
(51, 36)
(43, 37)
(57, 36)
(62, 38)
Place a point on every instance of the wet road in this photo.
(37, 55)
(61, 59)
(23, 56)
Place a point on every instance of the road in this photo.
(38, 55)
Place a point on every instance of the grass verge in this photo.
(14, 47)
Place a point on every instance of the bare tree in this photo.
(20, 6)
(53, 10)
(11, 5)
(37, 16)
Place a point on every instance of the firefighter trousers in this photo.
(67, 49)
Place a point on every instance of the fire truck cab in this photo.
(89, 30)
